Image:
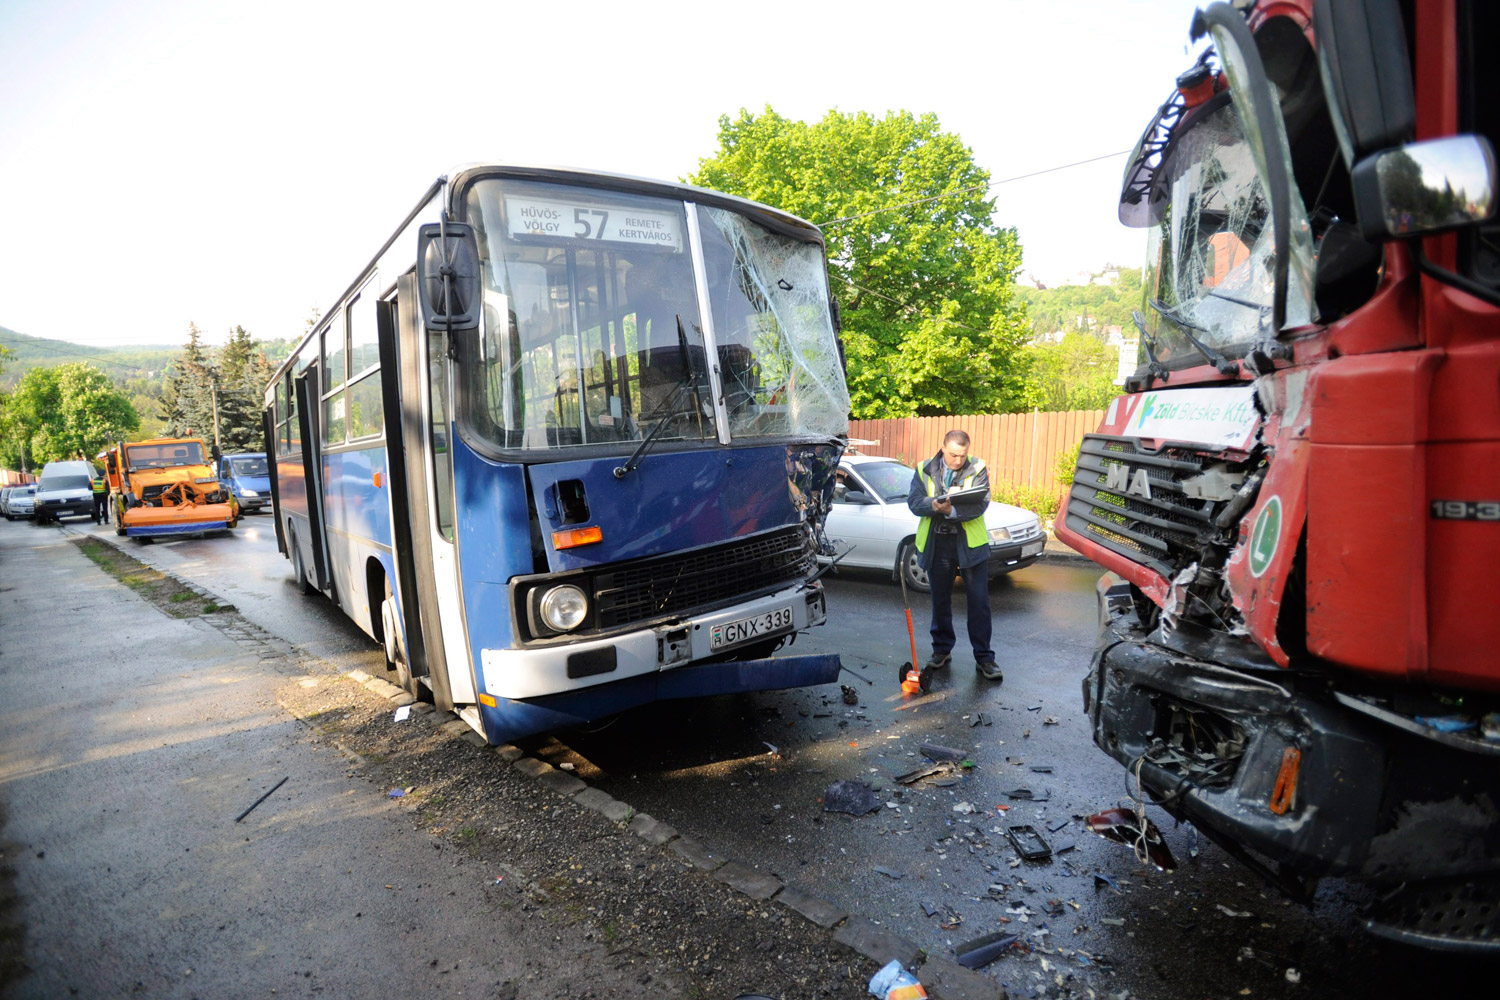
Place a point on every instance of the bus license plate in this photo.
(731, 633)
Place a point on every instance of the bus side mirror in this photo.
(448, 276)
(1425, 187)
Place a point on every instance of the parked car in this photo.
(248, 477)
(19, 502)
(870, 522)
(65, 488)
(4, 496)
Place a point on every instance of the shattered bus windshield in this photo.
(592, 331)
(1209, 264)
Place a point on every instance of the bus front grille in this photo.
(707, 576)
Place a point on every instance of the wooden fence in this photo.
(1019, 448)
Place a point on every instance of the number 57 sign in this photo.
(592, 221)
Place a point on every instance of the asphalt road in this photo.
(747, 776)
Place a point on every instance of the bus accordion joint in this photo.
(1285, 789)
(574, 537)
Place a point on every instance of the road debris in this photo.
(936, 751)
(978, 953)
(851, 696)
(890, 872)
(395, 793)
(261, 799)
(1232, 913)
(853, 797)
(1050, 720)
(893, 982)
(1029, 795)
(1028, 842)
(964, 808)
(1102, 879)
(402, 714)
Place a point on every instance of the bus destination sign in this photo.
(592, 221)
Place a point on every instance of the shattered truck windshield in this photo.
(1209, 260)
(598, 328)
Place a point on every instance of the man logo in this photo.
(1118, 477)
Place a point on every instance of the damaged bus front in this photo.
(1297, 499)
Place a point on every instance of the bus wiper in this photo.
(1155, 369)
(664, 412)
(1224, 366)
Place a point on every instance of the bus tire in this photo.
(304, 586)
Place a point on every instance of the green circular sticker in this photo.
(1265, 537)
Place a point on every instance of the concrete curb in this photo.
(943, 978)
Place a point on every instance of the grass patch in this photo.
(155, 586)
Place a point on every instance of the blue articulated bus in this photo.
(564, 447)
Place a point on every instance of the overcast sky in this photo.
(165, 162)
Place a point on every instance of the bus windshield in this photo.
(1209, 257)
(592, 331)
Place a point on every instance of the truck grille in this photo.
(1108, 505)
(703, 577)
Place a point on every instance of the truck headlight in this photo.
(248, 493)
(564, 607)
(998, 535)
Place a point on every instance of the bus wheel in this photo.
(298, 570)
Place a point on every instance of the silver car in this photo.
(20, 503)
(870, 521)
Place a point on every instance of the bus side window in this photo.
(437, 371)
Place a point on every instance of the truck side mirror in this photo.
(1425, 187)
(448, 279)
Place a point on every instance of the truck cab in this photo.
(248, 477)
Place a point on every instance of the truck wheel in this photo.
(303, 585)
(908, 566)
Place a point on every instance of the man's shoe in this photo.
(989, 670)
(938, 661)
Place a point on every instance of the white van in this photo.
(65, 488)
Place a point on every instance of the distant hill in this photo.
(120, 363)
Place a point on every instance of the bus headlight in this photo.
(564, 607)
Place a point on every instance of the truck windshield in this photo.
(161, 456)
(1209, 258)
(592, 333)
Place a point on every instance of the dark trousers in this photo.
(101, 508)
(976, 592)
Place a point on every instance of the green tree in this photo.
(221, 388)
(1075, 374)
(1084, 308)
(61, 412)
(931, 323)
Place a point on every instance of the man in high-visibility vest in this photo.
(952, 540)
(101, 499)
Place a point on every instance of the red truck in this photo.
(1297, 499)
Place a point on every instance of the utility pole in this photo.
(213, 391)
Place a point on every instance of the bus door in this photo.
(306, 384)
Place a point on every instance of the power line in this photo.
(977, 187)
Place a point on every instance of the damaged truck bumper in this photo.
(1299, 780)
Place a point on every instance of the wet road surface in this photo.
(747, 776)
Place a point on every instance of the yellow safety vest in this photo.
(975, 533)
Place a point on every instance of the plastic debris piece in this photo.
(1064, 846)
(1449, 723)
(890, 872)
(852, 797)
(1101, 879)
(947, 781)
(402, 714)
(893, 982)
(964, 808)
(1030, 795)
(774, 751)
(1054, 827)
(922, 772)
(929, 909)
(567, 765)
(1232, 913)
(1041, 768)
(1293, 976)
(1123, 826)
(937, 751)
(1028, 842)
(978, 953)
(1113, 921)
(1050, 720)
(396, 793)
(1033, 708)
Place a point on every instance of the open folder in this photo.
(972, 493)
